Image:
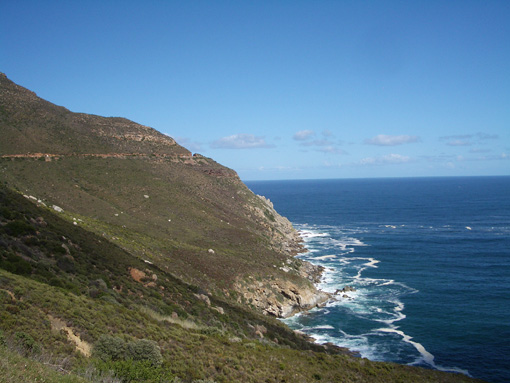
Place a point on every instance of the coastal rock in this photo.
(283, 235)
(282, 298)
(346, 289)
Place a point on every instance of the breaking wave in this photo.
(362, 301)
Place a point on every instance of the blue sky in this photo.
(283, 89)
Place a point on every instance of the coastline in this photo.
(292, 288)
(315, 273)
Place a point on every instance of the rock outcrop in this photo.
(285, 296)
(283, 235)
(282, 298)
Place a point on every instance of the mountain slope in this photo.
(129, 182)
(34, 125)
(62, 288)
(113, 236)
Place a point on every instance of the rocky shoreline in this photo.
(293, 289)
(314, 274)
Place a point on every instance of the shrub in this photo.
(14, 264)
(26, 344)
(145, 349)
(18, 228)
(112, 348)
(109, 348)
(135, 371)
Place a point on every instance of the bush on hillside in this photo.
(112, 348)
(144, 349)
(26, 344)
(18, 228)
(109, 348)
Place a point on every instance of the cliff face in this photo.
(282, 297)
(138, 187)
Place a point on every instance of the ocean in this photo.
(428, 258)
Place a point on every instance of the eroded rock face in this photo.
(283, 235)
(289, 294)
(281, 297)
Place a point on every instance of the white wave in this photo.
(322, 327)
(375, 299)
(426, 356)
(396, 315)
(325, 257)
(348, 241)
(307, 234)
(371, 261)
(388, 282)
(355, 343)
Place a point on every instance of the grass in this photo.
(15, 368)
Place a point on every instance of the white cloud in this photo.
(389, 159)
(456, 137)
(478, 150)
(303, 135)
(316, 143)
(241, 141)
(386, 140)
(324, 146)
(468, 139)
(486, 136)
(458, 142)
(331, 150)
(496, 157)
(439, 158)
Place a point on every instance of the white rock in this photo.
(57, 209)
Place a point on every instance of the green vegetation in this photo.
(112, 348)
(137, 279)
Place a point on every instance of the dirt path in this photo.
(81, 346)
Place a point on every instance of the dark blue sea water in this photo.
(429, 259)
